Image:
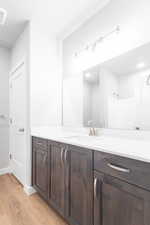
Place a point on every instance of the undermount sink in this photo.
(86, 139)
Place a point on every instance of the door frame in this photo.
(24, 62)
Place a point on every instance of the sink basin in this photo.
(86, 139)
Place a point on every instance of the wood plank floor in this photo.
(16, 208)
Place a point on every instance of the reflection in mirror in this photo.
(91, 108)
(116, 93)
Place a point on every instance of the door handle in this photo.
(21, 130)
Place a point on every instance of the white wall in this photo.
(4, 106)
(21, 47)
(46, 80)
(73, 101)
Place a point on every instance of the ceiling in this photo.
(131, 62)
(60, 17)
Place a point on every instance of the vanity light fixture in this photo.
(88, 75)
(3, 16)
(93, 45)
(140, 65)
(148, 80)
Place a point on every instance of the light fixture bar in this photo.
(3, 16)
(99, 40)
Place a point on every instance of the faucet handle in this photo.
(91, 132)
(90, 122)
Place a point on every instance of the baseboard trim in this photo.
(29, 190)
(5, 171)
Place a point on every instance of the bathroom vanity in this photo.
(90, 186)
(101, 180)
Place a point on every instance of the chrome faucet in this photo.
(92, 131)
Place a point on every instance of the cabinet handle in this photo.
(118, 168)
(62, 152)
(45, 157)
(66, 153)
(21, 130)
(39, 143)
(95, 187)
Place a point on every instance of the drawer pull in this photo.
(118, 168)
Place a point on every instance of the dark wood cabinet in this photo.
(117, 202)
(90, 187)
(129, 170)
(81, 187)
(40, 171)
(59, 190)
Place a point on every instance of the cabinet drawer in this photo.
(40, 143)
(133, 171)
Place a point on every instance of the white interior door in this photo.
(18, 122)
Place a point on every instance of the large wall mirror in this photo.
(114, 94)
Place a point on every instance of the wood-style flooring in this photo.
(16, 208)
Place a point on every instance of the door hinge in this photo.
(10, 120)
(10, 156)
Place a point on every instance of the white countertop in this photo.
(134, 148)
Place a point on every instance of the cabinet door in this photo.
(40, 171)
(59, 179)
(117, 202)
(81, 187)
